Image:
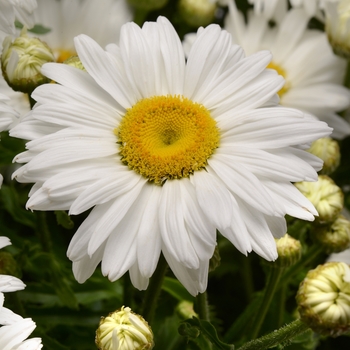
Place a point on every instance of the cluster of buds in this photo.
(338, 26)
(288, 250)
(334, 237)
(323, 299)
(124, 330)
(325, 195)
(326, 149)
(197, 12)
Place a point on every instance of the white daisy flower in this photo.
(313, 74)
(15, 330)
(66, 19)
(269, 8)
(166, 151)
(338, 26)
(8, 116)
(101, 20)
(22, 10)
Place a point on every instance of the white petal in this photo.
(172, 226)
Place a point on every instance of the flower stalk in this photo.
(154, 289)
(276, 337)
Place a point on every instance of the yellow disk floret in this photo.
(167, 137)
(63, 55)
(282, 72)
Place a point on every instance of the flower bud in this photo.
(124, 330)
(323, 299)
(333, 238)
(185, 310)
(74, 61)
(197, 12)
(326, 149)
(338, 26)
(325, 195)
(21, 62)
(148, 5)
(289, 251)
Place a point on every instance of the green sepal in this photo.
(37, 29)
(64, 219)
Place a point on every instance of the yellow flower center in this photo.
(167, 137)
(282, 72)
(63, 55)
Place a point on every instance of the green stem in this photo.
(127, 290)
(31, 100)
(153, 290)
(276, 337)
(237, 328)
(43, 232)
(281, 304)
(247, 277)
(202, 306)
(16, 303)
(313, 253)
(268, 293)
(347, 76)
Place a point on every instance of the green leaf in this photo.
(50, 343)
(201, 331)
(37, 29)
(63, 219)
(62, 286)
(176, 289)
(14, 207)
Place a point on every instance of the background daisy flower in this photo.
(313, 74)
(15, 330)
(22, 10)
(166, 151)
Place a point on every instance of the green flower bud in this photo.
(148, 5)
(324, 299)
(289, 251)
(21, 62)
(197, 12)
(326, 149)
(124, 330)
(325, 195)
(74, 61)
(185, 310)
(338, 26)
(333, 238)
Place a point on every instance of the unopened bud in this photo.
(323, 299)
(21, 62)
(74, 61)
(197, 12)
(325, 195)
(148, 5)
(333, 238)
(289, 251)
(338, 26)
(185, 310)
(326, 149)
(124, 330)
